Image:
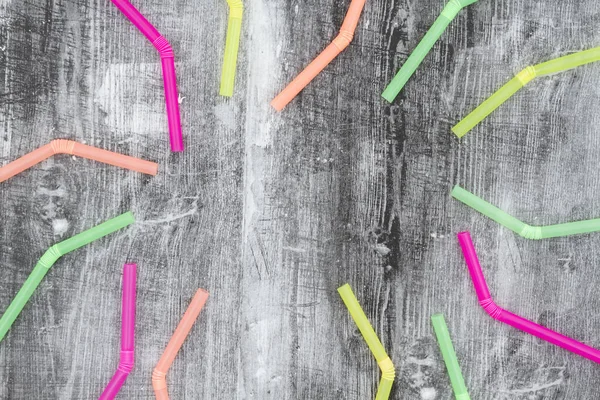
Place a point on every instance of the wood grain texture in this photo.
(271, 212)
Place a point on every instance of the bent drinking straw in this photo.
(127, 334)
(418, 55)
(332, 51)
(232, 45)
(520, 228)
(168, 66)
(159, 382)
(60, 146)
(450, 359)
(523, 78)
(50, 257)
(388, 372)
(485, 299)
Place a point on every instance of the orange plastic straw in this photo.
(60, 146)
(159, 381)
(332, 51)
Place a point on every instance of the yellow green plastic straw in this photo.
(50, 257)
(232, 45)
(523, 78)
(424, 47)
(388, 372)
(521, 228)
(450, 359)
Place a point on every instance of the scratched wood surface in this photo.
(272, 212)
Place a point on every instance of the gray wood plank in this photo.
(271, 212)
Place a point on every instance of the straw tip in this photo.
(437, 317)
(277, 105)
(176, 142)
(129, 266)
(455, 189)
(201, 293)
(344, 288)
(459, 193)
(129, 217)
(226, 92)
(153, 169)
(388, 97)
(464, 234)
(458, 131)
(125, 219)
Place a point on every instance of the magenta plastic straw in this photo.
(168, 66)
(127, 334)
(485, 299)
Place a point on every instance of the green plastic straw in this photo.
(520, 228)
(523, 78)
(383, 360)
(424, 47)
(232, 45)
(50, 257)
(447, 349)
(487, 209)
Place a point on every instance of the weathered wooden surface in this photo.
(272, 212)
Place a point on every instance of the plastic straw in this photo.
(523, 78)
(520, 228)
(232, 45)
(450, 359)
(127, 334)
(485, 299)
(568, 62)
(388, 372)
(332, 51)
(168, 66)
(60, 146)
(48, 260)
(424, 47)
(159, 382)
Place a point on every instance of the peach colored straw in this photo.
(332, 51)
(60, 146)
(159, 381)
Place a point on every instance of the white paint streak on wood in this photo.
(265, 351)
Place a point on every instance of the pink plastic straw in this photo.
(127, 334)
(168, 66)
(485, 299)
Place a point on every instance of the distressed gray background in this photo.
(271, 212)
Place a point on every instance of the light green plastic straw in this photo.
(418, 55)
(520, 228)
(523, 78)
(447, 350)
(50, 257)
(232, 45)
(388, 372)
